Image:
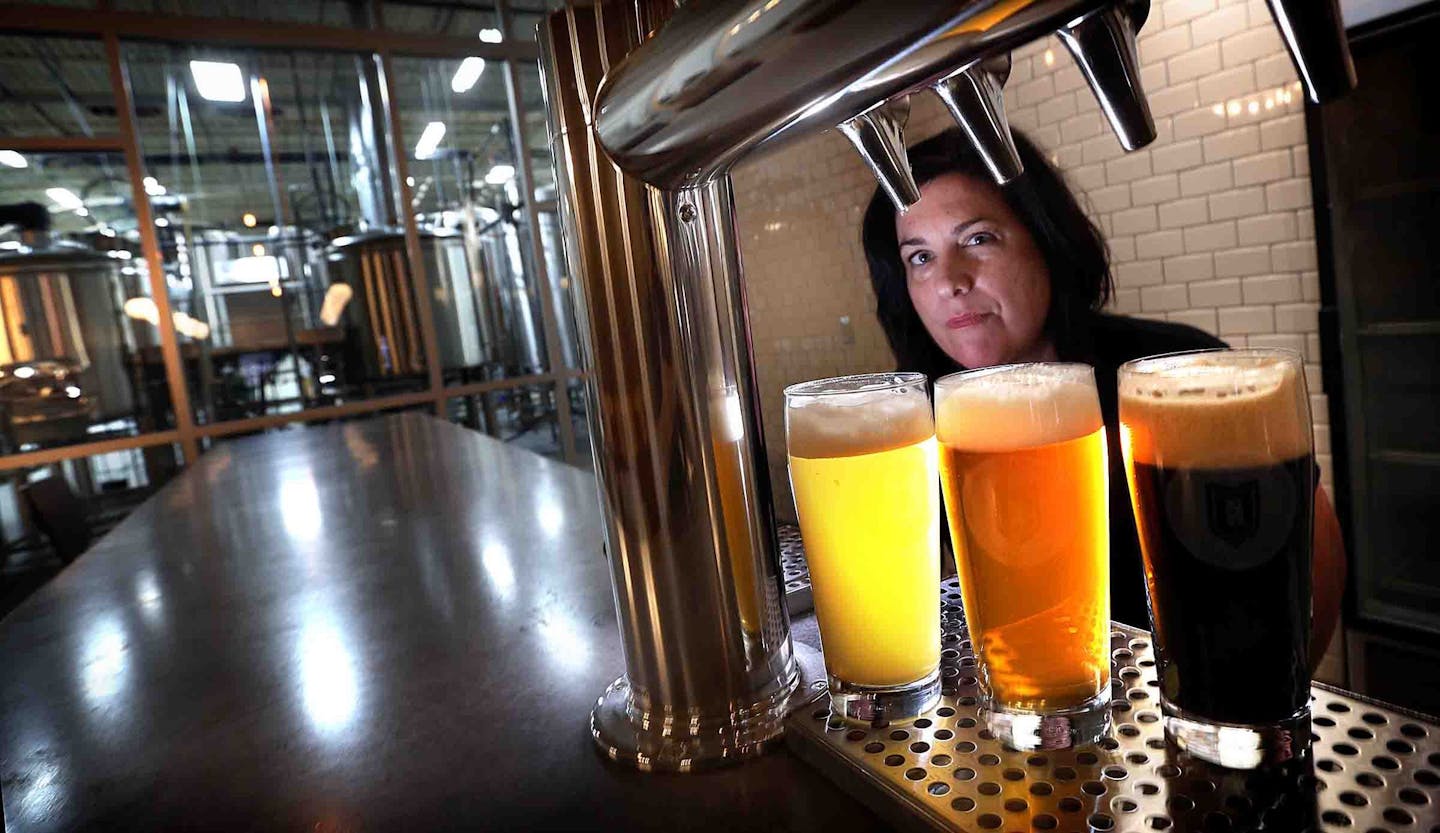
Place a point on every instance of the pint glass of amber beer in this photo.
(1022, 464)
(1218, 454)
(863, 470)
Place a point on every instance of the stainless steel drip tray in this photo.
(1374, 767)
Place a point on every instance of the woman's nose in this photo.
(958, 280)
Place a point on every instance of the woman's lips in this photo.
(969, 319)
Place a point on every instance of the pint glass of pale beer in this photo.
(863, 470)
(1221, 469)
(1022, 465)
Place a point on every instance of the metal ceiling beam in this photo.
(55, 20)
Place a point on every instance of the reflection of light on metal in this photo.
(248, 219)
(82, 211)
(300, 506)
(162, 222)
(495, 558)
(550, 516)
(72, 391)
(257, 250)
(1233, 108)
(23, 372)
(490, 35)
(142, 309)
(153, 187)
(430, 140)
(500, 174)
(103, 661)
(190, 327)
(1049, 57)
(467, 74)
(65, 198)
(147, 593)
(218, 80)
(563, 642)
(327, 378)
(253, 269)
(328, 681)
(12, 159)
(336, 297)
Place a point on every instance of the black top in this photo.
(1108, 342)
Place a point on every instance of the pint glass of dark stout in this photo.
(1218, 453)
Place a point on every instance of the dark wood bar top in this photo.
(396, 624)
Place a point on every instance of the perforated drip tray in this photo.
(1373, 767)
(796, 572)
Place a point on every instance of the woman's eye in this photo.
(979, 238)
(920, 258)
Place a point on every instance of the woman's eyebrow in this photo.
(957, 231)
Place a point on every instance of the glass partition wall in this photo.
(218, 219)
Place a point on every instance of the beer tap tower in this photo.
(650, 106)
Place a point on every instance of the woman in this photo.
(975, 275)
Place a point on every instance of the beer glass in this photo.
(863, 470)
(1219, 459)
(1022, 462)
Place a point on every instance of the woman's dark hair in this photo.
(1072, 246)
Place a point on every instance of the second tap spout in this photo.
(1103, 43)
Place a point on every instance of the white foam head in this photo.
(852, 415)
(1016, 406)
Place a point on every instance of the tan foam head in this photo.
(856, 416)
(1016, 406)
(1222, 409)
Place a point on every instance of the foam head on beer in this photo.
(1016, 406)
(1215, 410)
(858, 422)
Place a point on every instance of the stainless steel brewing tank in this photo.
(61, 308)
(383, 312)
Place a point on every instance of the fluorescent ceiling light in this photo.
(500, 174)
(218, 80)
(490, 35)
(430, 140)
(467, 74)
(65, 198)
(12, 159)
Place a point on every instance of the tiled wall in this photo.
(1211, 225)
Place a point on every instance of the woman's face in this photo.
(975, 275)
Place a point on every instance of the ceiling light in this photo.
(249, 220)
(65, 198)
(490, 35)
(218, 80)
(500, 174)
(12, 159)
(467, 74)
(430, 140)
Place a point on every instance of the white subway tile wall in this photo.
(1210, 226)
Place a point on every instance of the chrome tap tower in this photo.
(650, 106)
